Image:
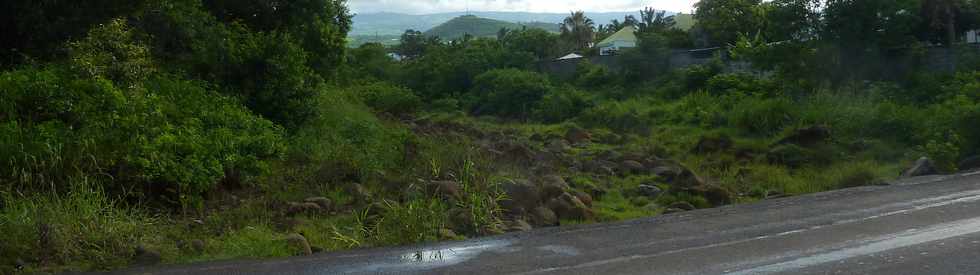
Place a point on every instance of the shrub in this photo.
(561, 104)
(387, 98)
(347, 139)
(81, 229)
(171, 132)
(629, 116)
(763, 116)
(509, 93)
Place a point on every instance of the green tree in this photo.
(578, 30)
(724, 20)
(538, 42)
(34, 29)
(320, 26)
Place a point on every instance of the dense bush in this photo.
(268, 71)
(764, 116)
(508, 93)
(387, 98)
(627, 116)
(561, 104)
(170, 132)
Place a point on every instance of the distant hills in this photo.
(481, 27)
(396, 23)
(385, 28)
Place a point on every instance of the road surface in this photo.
(928, 225)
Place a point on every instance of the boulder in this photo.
(521, 196)
(462, 220)
(807, 136)
(682, 205)
(302, 208)
(600, 167)
(197, 245)
(448, 234)
(577, 135)
(324, 203)
(631, 167)
(649, 191)
(552, 186)
(445, 189)
(144, 256)
(922, 167)
(360, 194)
(969, 164)
(298, 244)
(517, 226)
(584, 197)
(569, 207)
(542, 216)
(713, 144)
(558, 146)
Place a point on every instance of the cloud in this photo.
(437, 6)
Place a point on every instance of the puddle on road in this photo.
(427, 259)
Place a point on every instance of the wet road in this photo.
(925, 225)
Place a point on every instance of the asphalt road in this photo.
(925, 225)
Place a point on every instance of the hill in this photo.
(396, 23)
(481, 27)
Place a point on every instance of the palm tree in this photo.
(578, 29)
(655, 21)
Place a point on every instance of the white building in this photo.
(624, 38)
(973, 37)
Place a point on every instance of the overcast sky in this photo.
(437, 6)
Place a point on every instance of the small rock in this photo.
(713, 144)
(517, 226)
(197, 245)
(922, 167)
(558, 146)
(521, 196)
(631, 167)
(317, 249)
(448, 234)
(446, 189)
(198, 221)
(361, 194)
(542, 216)
(577, 135)
(584, 197)
(324, 203)
(649, 191)
(682, 205)
(969, 164)
(305, 207)
(299, 244)
(570, 207)
(145, 256)
(552, 186)
(462, 220)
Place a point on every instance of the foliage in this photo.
(508, 92)
(724, 20)
(387, 98)
(561, 104)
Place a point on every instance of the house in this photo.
(624, 38)
(973, 37)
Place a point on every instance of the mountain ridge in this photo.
(392, 23)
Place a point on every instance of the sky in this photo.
(559, 6)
